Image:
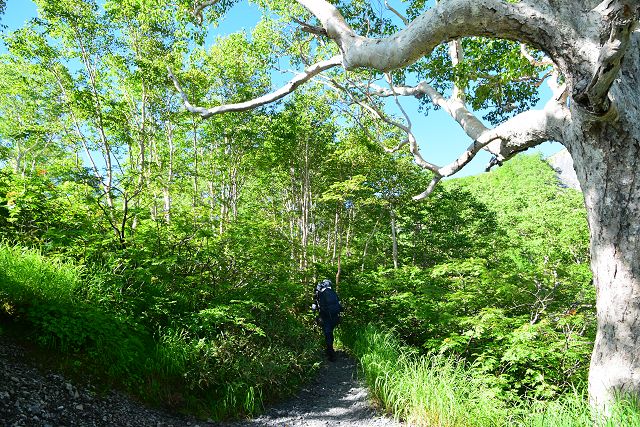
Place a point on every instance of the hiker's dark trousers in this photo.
(329, 322)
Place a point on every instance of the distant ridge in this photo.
(563, 165)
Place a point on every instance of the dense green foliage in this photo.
(218, 355)
(520, 306)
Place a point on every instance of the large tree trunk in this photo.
(606, 154)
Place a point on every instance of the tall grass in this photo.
(45, 295)
(425, 391)
(25, 276)
(435, 390)
(573, 410)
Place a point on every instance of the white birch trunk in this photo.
(606, 156)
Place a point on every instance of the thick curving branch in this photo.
(519, 133)
(527, 20)
(527, 130)
(291, 86)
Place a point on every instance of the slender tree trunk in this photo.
(212, 204)
(305, 207)
(142, 161)
(224, 211)
(366, 243)
(394, 237)
(335, 233)
(339, 255)
(18, 157)
(328, 249)
(233, 196)
(196, 196)
(350, 221)
(166, 190)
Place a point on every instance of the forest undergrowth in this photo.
(223, 360)
(439, 390)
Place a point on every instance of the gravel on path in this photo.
(31, 398)
(335, 398)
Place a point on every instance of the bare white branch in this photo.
(291, 86)
(456, 108)
(432, 186)
(525, 130)
(398, 14)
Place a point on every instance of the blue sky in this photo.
(441, 139)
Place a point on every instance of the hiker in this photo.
(328, 303)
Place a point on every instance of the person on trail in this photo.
(328, 303)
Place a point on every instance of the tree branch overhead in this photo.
(288, 88)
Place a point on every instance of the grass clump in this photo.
(27, 277)
(44, 295)
(425, 391)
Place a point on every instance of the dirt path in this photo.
(334, 398)
(30, 397)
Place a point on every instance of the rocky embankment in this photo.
(29, 397)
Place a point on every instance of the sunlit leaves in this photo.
(504, 280)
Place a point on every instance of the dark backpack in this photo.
(328, 301)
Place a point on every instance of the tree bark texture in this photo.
(606, 153)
